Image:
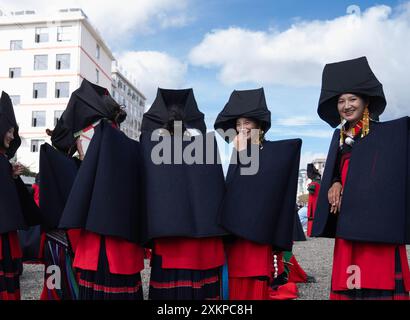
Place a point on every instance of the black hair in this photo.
(175, 113)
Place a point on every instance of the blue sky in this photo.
(284, 101)
(216, 46)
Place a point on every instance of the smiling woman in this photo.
(367, 219)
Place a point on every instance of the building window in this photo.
(119, 84)
(41, 35)
(35, 145)
(16, 44)
(14, 72)
(62, 89)
(38, 119)
(57, 116)
(64, 33)
(15, 100)
(97, 75)
(39, 90)
(63, 61)
(97, 51)
(41, 62)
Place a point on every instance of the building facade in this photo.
(125, 92)
(43, 60)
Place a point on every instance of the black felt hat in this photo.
(8, 121)
(165, 103)
(244, 104)
(351, 76)
(87, 105)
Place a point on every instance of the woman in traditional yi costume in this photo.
(313, 189)
(104, 199)
(258, 209)
(181, 200)
(17, 207)
(364, 197)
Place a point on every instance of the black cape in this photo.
(17, 207)
(158, 115)
(8, 121)
(30, 239)
(87, 105)
(261, 207)
(181, 200)
(30, 244)
(351, 76)
(57, 174)
(246, 103)
(376, 197)
(105, 196)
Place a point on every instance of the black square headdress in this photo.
(351, 76)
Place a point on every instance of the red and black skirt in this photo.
(58, 254)
(183, 284)
(10, 271)
(103, 285)
(399, 292)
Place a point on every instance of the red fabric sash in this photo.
(190, 253)
(249, 259)
(123, 257)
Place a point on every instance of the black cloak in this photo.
(105, 196)
(87, 105)
(375, 205)
(17, 207)
(376, 197)
(8, 121)
(57, 174)
(30, 241)
(261, 207)
(180, 200)
(352, 76)
(158, 115)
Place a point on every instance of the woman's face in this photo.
(8, 138)
(351, 107)
(246, 125)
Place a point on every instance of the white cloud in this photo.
(296, 57)
(295, 121)
(307, 132)
(152, 69)
(116, 20)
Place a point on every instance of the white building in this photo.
(125, 92)
(303, 182)
(43, 59)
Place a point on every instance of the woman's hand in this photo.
(240, 140)
(17, 169)
(335, 197)
(80, 150)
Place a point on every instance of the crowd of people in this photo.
(105, 203)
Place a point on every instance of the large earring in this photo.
(341, 131)
(261, 133)
(366, 121)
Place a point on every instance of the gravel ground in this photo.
(314, 255)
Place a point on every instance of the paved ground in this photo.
(314, 255)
